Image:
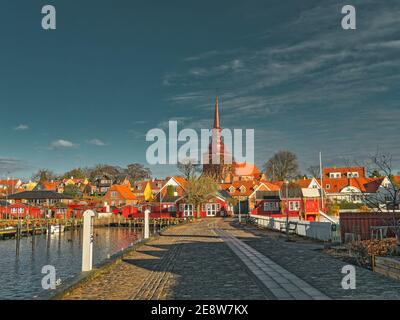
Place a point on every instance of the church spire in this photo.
(216, 115)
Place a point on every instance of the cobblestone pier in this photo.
(219, 259)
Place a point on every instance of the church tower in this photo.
(219, 164)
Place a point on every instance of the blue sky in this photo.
(89, 91)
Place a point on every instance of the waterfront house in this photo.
(268, 203)
(301, 203)
(119, 195)
(43, 198)
(139, 187)
(19, 211)
(101, 185)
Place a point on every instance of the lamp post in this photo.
(240, 214)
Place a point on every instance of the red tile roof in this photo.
(246, 169)
(123, 191)
(344, 170)
(336, 185)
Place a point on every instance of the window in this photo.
(113, 194)
(242, 189)
(271, 206)
(231, 189)
(172, 208)
(294, 205)
(328, 186)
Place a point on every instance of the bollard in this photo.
(146, 224)
(87, 242)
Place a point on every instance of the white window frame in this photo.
(294, 205)
(271, 206)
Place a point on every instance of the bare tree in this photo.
(387, 195)
(283, 165)
(44, 175)
(189, 168)
(314, 171)
(198, 190)
(137, 171)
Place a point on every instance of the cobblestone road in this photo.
(186, 262)
(193, 261)
(305, 259)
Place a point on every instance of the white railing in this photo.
(311, 229)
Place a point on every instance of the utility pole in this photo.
(287, 208)
(240, 215)
(322, 183)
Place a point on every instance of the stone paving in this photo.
(280, 282)
(305, 259)
(219, 259)
(186, 262)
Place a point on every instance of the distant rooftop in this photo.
(43, 194)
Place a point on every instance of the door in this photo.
(188, 210)
(211, 209)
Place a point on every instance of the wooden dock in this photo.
(27, 227)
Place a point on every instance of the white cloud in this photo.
(21, 127)
(96, 142)
(62, 144)
(10, 165)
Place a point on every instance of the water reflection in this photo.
(21, 261)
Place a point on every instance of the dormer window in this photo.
(328, 186)
(231, 189)
(352, 175)
(242, 189)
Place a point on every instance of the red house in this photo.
(301, 203)
(19, 211)
(217, 206)
(311, 204)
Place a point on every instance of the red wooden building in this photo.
(301, 203)
(20, 211)
(216, 206)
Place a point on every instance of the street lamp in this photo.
(240, 215)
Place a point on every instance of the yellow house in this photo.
(74, 181)
(29, 186)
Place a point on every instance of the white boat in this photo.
(56, 229)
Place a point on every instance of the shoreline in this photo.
(85, 277)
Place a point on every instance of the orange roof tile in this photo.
(245, 169)
(123, 191)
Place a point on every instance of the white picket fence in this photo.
(311, 229)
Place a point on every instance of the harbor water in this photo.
(21, 261)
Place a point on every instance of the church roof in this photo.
(216, 115)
